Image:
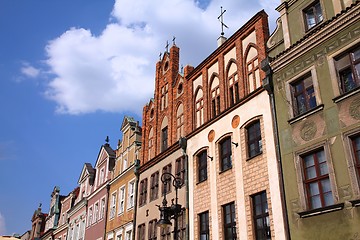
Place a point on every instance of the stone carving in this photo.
(308, 130)
(354, 109)
(235, 121)
(211, 135)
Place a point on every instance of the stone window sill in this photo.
(306, 114)
(355, 203)
(319, 211)
(346, 95)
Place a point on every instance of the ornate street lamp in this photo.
(173, 211)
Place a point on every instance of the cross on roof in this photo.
(221, 19)
(160, 55)
(174, 40)
(167, 46)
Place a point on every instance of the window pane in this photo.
(314, 189)
(328, 198)
(356, 54)
(315, 202)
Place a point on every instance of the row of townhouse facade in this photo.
(260, 141)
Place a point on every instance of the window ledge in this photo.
(355, 203)
(346, 95)
(225, 170)
(199, 182)
(256, 155)
(319, 211)
(306, 114)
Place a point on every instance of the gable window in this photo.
(164, 139)
(152, 230)
(102, 175)
(316, 180)
(229, 221)
(254, 143)
(131, 189)
(348, 70)
(202, 165)
(303, 95)
(253, 71)
(164, 97)
(234, 89)
(180, 168)
(141, 232)
(121, 200)
(199, 108)
(215, 97)
(154, 186)
(356, 150)
(113, 205)
(261, 216)
(225, 154)
(166, 187)
(204, 226)
(313, 15)
(143, 192)
(151, 143)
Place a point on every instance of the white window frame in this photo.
(131, 194)
(90, 216)
(350, 160)
(102, 207)
(112, 210)
(121, 199)
(96, 212)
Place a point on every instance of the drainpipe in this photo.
(137, 173)
(267, 84)
(106, 208)
(183, 145)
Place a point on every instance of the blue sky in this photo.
(71, 70)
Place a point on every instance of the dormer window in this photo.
(313, 15)
(164, 139)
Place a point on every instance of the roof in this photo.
(8, 238)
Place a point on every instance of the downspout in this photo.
(137, 173)
(267, 83)
(183, 145)
(107, 206)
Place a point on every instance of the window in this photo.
(141, 232)
(151, 143)
(128, 234)
(102, 175)
(90, 216)
(164, 97)
(165, 233)
(313, 15)
(261, 216)
(199, 108)
(204, 226)
(202, 165)
(225, 154)
(82, 230)
(152, 230)
(166, 187)
(121, 200)
(253, 71)
(356, 149)
(125, 163)
(143, 192)
(96, 211)
(348, 68)
(316, 180)
(254, 143)
(229, 221)
(181, 226)
(154, 186)
(180, 122)
(102, 206)
(180, 169)
(303, 95)
(234, 89)
(215, 97)
(131, 190)
(164, 139)
(113, 205)
(119, 237)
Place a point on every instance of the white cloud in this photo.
(115, 71)
(29, 70)
(2, 225)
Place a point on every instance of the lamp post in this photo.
(173, 211)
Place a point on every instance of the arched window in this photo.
(215, 97)
(233, 84)
(199, 108)
(151, 144)
(179, 122)
(252, 67)
(164, 135)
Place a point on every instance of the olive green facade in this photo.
(318, 115)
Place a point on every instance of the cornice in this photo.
(327, 31)
(77, 207)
